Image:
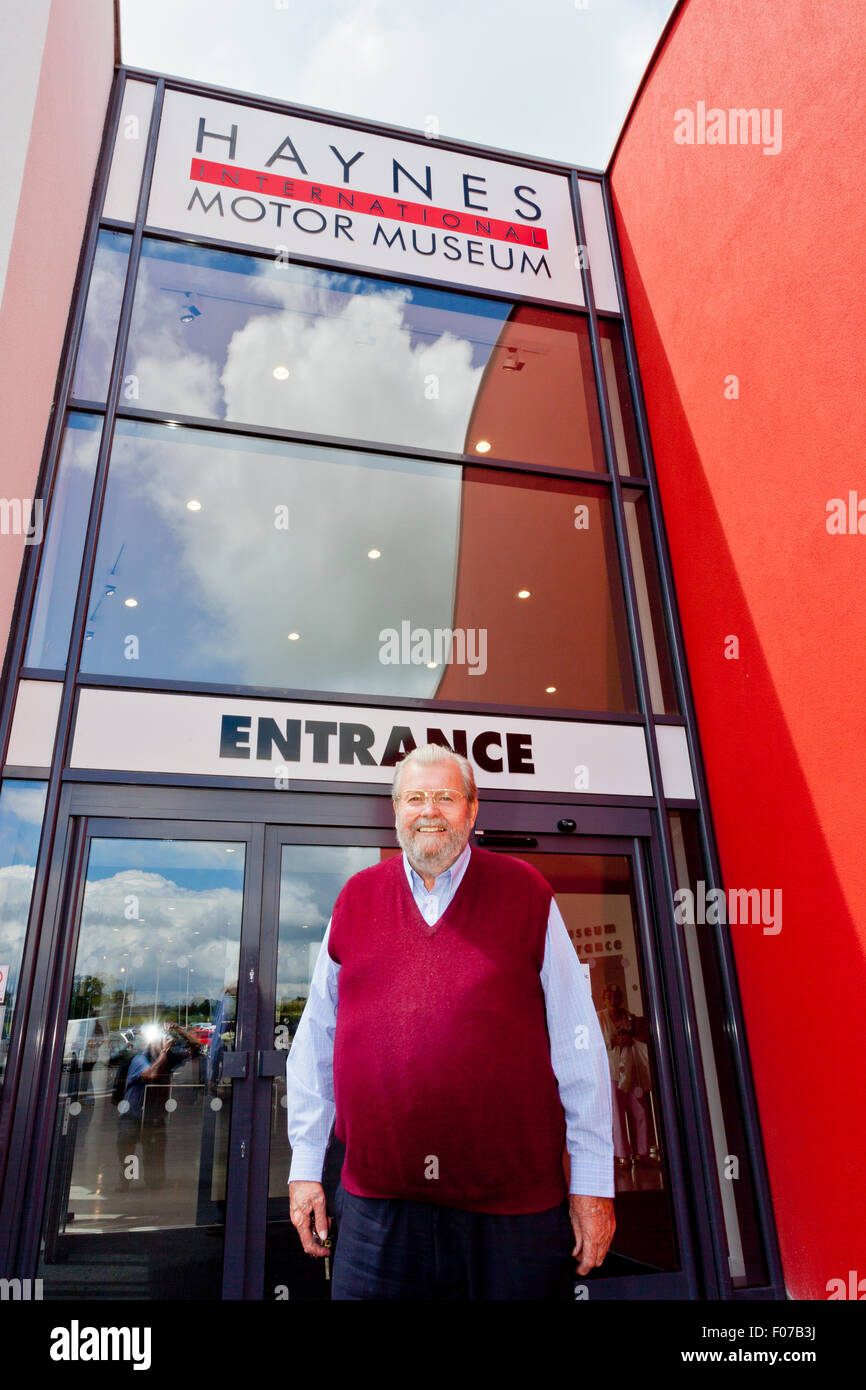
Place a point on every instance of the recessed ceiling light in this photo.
(193, 505)
(483, 446)
(281, 373)
(374, 554)
(523, 593)
(294, 636)
(131, 602)
(550, 689)
(432, 665)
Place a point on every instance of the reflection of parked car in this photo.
(87, 1042)
(122, 1043)
(202, 1032)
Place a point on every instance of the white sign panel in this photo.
(205, 735)
(298, 187)
(34, 726)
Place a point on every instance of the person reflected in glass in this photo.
(142, 1114)
(223, 1036)
(625, 1038)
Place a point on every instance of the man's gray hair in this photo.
(429, 754)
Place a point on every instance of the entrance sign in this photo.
(204, 735)
(300, 187)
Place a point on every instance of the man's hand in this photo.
(306, 1197)
(593, 1224)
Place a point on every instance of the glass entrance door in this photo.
(599, 886)
(144, 1178)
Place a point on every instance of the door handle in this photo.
(505, 840)
(272, 1064)
(235, 1065)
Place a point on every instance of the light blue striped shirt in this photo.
(577, 1051)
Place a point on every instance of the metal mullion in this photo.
(346, 442)
(664, 1063)
(443, 709)
(724, 950)
(259, 1182)
(698, 1102)
(241, 1129)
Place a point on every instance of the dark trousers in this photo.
(419, 1251)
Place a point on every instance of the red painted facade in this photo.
(749, 265)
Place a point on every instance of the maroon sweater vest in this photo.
(443, 1082)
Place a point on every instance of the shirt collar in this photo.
(444, 880)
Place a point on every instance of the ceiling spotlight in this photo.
(294, 636)
(550, 689)
(281, 373)
(483, 446)
(131, 602)
(374, 554)
(432, 665)
(190, 312)
(193, 505)
(523, 593)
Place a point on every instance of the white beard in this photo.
(432, 854)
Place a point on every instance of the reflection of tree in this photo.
(86, 996)
(289, 1012)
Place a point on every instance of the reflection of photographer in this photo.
(165, 1049)
(625, 1037)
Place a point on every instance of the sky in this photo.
(552, 78)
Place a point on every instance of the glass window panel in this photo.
(251, 339)
(137, 1187)
(644, 564)
(257, 562)
(311, 876)
(98, 334)
(625, 436)
(22, 806)
(736, 1188)
(51, 622)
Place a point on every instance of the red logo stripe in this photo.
(350, 200)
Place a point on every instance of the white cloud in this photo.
(553, 79)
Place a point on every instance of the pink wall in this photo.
(743, 263)
(71, 102)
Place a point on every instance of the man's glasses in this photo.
(443, 797)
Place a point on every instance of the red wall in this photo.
(68, 117)
(743, 263)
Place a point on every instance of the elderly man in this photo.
(451, 1031)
